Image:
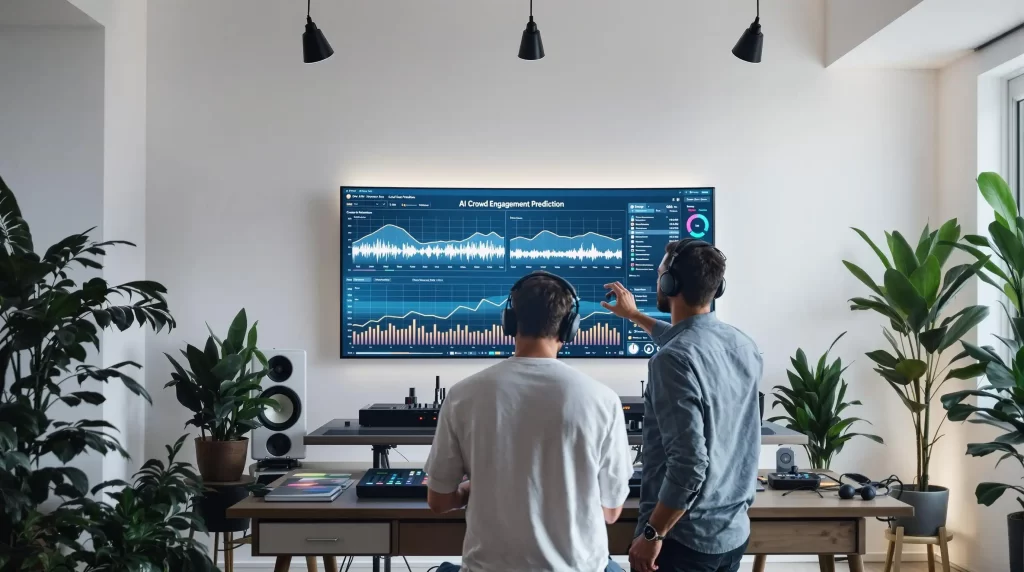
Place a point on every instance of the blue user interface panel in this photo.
(426, 272)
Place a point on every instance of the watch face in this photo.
(650, 533)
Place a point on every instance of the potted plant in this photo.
(913, 297)
(814, 403)
(151, 522)
(47, 318)
(1000, 402)
(222, 391)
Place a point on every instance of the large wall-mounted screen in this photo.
(426, 272)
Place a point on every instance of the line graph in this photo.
(417, 314)
(432, 239)
(584, 238)
(552, 248)
(394, 244)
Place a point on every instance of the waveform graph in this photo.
(425, 240)
(591, 239)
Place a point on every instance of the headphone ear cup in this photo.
(668, 284)
(721, 290)
(508, 322)
(868, 492)
(846, 492)
(570, 327)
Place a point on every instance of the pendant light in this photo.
(531, 48)
(314, 45)
(749, 47)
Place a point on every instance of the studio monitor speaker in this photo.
(281, 436)
(785, 460)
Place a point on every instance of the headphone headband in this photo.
(570, 323)
(669, 282)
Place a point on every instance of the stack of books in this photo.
(310, 487)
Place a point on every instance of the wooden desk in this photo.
(800, 523)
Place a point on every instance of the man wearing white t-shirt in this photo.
(544, 447)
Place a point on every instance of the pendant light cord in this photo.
(531, 9)
(308, 2)
(758, 8)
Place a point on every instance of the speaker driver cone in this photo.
(288, 409)
(279, 369)
(279, 444)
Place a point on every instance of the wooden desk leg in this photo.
(283, 564)
(216, 541)
(827, 563)
(330, 564)
(943, 549)
(759, 562)
(931, 558)
(311, 563)
(229, 552)
(856, 563)
(897, 554)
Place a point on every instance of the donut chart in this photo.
(697, 225)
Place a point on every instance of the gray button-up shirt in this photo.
(702, 432)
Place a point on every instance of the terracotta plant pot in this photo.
(221, 461)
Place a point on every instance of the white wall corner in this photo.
(848, 23)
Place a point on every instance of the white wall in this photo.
(247, 147)
(124, 204)
(851, 22)
(51, 151)
(973, 119)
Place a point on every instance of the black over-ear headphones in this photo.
(570, 322)
(867, 490)
(670, 283)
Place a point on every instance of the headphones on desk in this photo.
(670, 283)
(570, 323)
(866, 489)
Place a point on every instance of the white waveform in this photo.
(477, 247)
(379, 250)
(588, 254)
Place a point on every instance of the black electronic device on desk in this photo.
(393, 484)
(794, 480)
(408, 414)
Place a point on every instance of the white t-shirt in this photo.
(545, 448)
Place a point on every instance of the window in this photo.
(1016, 131)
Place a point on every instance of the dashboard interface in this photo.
(426, 272)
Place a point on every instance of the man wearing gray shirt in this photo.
(701, 421)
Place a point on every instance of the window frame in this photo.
(1015, 128)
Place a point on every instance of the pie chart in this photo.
(697, 225)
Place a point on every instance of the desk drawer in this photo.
(804, 537)
(358, 538)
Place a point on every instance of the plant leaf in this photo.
(903, 255)
(997, 194)
(236, 333)
(878, 251)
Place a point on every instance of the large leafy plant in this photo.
(1000, 403)
(222, 387)
(150, 526)
(814, 403)
(913, 296)
(47, 320)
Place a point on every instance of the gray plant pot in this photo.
(929, 509)
(1015, 528)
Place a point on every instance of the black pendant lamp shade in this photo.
(531, 48)
(314, 45)
(749, 47)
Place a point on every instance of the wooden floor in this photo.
(840, 567)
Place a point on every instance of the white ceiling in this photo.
(935, 33)
(42, 13)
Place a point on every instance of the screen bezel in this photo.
(341, 262)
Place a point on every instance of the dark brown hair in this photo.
(540, 304)
(700, 271)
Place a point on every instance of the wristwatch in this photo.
(651, 535)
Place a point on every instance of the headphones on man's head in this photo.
(570, 323)
(669, 283)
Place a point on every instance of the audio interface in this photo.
(791, 481)
(399, 415)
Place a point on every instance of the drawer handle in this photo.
(321, 540)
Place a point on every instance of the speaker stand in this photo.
(277, 464)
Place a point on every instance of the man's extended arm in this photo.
(625, 307)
